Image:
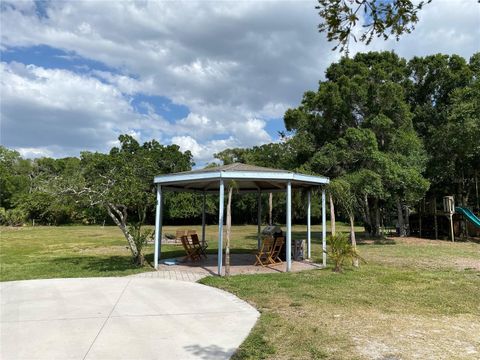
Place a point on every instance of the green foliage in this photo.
(380, 18)
(140, 238)
(340, 251)
(13, 217)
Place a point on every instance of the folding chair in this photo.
(264, 255)
(196, 244)
(276, 250)
(191, 252)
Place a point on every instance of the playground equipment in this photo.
(449, 208)
(428, 221)
(469, 215)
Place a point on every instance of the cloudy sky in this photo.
(206, 75)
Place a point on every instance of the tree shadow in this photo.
(210, 352)
(96, 264)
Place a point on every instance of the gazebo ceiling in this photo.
(248, 178)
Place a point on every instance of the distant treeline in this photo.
(389, 132)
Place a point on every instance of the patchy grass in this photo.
(391, 308)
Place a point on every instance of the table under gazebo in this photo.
(248, 179)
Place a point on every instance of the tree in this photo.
(444, 101)
(359, 120)
(380, 18)
(341, 191)
(122, 182)
(14, 177)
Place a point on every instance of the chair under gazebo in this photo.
(248, 179)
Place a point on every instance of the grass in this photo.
(83, 251)
(413, 299)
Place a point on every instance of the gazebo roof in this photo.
(248, 178)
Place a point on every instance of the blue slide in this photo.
(469, 215)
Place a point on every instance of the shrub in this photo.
(15, 217)
(140, 238)
(340, 250)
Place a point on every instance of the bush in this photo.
(140, 238)
(340, 250)
(2, 216)
(15, 217)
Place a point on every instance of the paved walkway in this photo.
(239, 264)
(180, 275)
(120, 318)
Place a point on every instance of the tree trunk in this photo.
(400, 222)
(420, 219)
(368, 223)
(407, 221)
(270, 208)
(376, 226)
(119, 217)
(332, 214)
(352, 238)
(229, 228)
(435, 217)
(476, 190)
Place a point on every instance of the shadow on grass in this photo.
(376, 241)
(96, 264)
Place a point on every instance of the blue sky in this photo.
(205, 75)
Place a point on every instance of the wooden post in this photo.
(449, 208)
(451, 227)
(332, 214)
(270, 209)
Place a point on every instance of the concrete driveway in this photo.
(120, 318)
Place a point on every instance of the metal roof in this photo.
(248, 178)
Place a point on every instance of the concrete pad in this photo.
(120, 318)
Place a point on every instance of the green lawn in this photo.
(82, 251)
(413, 299)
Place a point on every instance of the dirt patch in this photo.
(423, 253)
(419, 337)
(467, 264)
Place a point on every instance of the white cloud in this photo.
(444, 26)
(234, 64)
(203, 153)
(44, 107)
(36, 152)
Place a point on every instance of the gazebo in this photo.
(248, 179)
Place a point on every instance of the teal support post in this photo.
(259, 218)
(203, 217)
(309, 225)
(289, 226)
(324, 229)
(158, 227)
(220, 228)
